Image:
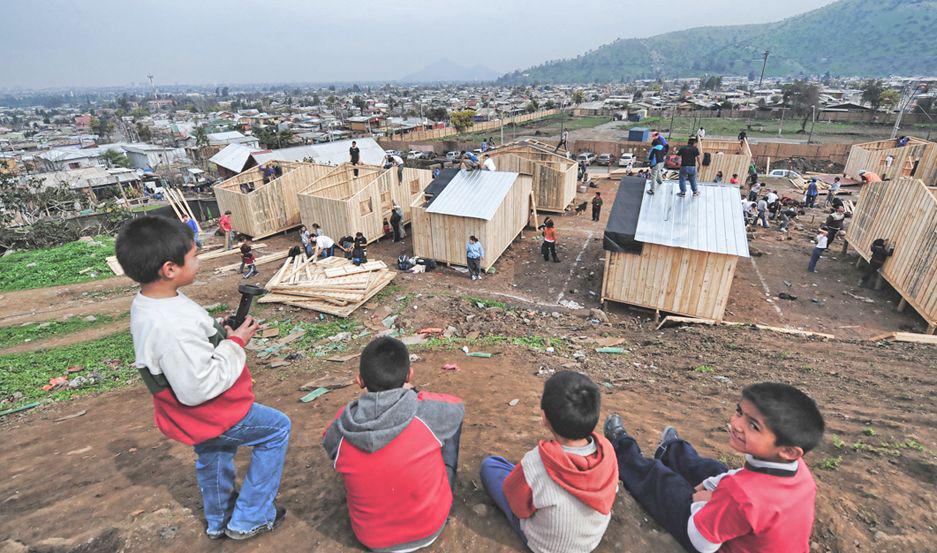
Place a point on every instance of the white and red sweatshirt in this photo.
(210, 388)
(563, 496)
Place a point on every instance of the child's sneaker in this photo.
(668, 435)
(235, 535)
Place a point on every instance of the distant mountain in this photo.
(448, 71)
(846, 38)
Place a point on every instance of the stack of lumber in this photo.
(221, 253)
(334, 285)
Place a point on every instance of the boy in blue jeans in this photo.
(766, 506)
(197, 374)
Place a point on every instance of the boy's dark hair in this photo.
(789, 413)
(144, 244)
(384, 364)
(571, 403)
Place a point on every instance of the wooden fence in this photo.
(482, 126)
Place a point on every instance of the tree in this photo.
(462, 120)
(437, 113)
(201, 137)
(532, 106)
(924, 105)
(872, 93)
(549, 104)
(271, 138)
(144, 133)
(801, 97)
(113, 158)
(102, 127)
(224, 92)
(577, 97)
(889, 98)
(359, 102)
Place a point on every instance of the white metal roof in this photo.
(477, 194)
(710, 222)
(232, 157)
(327, 153)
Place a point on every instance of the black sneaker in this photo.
(681, 194)
(649, 191)
(235, 535)
(668, 435)
(613, 428)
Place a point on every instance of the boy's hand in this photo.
(246, 331)
(704, 495)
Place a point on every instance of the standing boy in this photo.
(768, 505)
(559, 497)
(689, 161)
(597, 206)
(354, 155)
(548, 247)
(224, 223)
(822, 242)
(655, 160)
(193, 226)
(397, 450)
(201, 386)
(762, 207)
(563, 137)
(474, 252)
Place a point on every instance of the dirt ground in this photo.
(109, 481)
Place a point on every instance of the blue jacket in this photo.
(656, 155)
(812, 189)
(192, 225)
(474, 251)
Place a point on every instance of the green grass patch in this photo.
(31, 332)
(146, 207)
(704, 369)
(838, 443)
(484, 304)
(27, 373)
(533, 342)
(830, 463)
(56, 266)
(868, 431)
(314, 331)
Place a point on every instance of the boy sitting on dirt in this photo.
(767, 505)
(201, 386)
(397, 450)
(559, 497)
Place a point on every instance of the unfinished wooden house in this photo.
(260, 209)
(554, 175)
(903, 211)
(671, 254)
(494, 206)
(343, 204)
(917, 159)
(729, 156)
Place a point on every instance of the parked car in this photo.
(392, 152)
(588, 157)
(604, 159)
(453, 155)
(626, 160)
(784, 174)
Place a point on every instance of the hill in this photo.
(846, 38)
(448, 71)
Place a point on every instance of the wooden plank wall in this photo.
(673, 280)
(905, 212)
(443, 237)
(728, 156)
(871, 156)
(554, 176)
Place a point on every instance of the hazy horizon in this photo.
(101, 43)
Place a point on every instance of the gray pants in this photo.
(228, 239)
(474, 265)
(657, 174)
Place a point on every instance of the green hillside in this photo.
(846, 38)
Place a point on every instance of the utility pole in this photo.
(763, 65)
(812, 124)
(673, 112)
(906, 100)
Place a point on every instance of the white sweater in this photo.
(171, 337)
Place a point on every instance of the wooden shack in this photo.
(917, 159)
(494, 206)
(343, 204)
(729, 156)
(260, 209)
(904, 211)
(554, 175)
(671, 254)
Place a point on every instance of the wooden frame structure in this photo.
(259, 210)
(729, 156)
(442, 237)
(343, 204)
(917, 159)
(554, 176)
(651, 261)
(904, 211)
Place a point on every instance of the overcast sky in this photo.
(50, 43)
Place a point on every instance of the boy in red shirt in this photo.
(197, 373)
(397, 450)
(559, 497)
(765, 507)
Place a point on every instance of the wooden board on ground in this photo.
(258, 261)
(236, 249)
(910, 337)
(114, 265)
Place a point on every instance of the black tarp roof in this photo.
(437, 185)
(623, 218)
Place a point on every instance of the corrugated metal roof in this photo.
(232, 157)
(710, 222)
(327, 153)
(476, 194)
